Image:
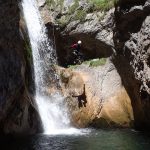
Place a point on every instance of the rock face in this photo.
(96, 97)
(132, 38)
(17, 115)
(101, 96)
(76, 21)
(123, 33)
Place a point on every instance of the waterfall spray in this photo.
(52, 109)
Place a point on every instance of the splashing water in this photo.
(52, 109)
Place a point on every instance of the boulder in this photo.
(96, 97)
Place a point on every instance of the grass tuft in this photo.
(80, 15)
(102, 5)
(91, 63)
(98, 62)
(63, 21)
(76, 12)
(73, 66)
(73, 8)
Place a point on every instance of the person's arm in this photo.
(74, 46)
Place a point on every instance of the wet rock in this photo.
(95, 95)
(123, 33)
(41, 3)
(17, 115)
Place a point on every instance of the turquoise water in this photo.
(96, 140)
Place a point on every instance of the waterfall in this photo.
(52, 109)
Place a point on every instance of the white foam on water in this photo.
(70, 131)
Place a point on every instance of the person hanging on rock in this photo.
(76, 53)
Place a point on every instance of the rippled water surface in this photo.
(95, 140)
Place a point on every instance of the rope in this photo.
(57, 76)
(54, 37)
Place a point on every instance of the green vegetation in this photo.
(63, 21)
(29, 62)
(73, 8)
(96, 62)
(75, 12)
(91, 63)
(28, 50)
(80, 15)
(103, 5)
(51, 3)
(73, 66)
(61, 3)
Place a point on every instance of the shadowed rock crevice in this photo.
(129, 19)
(82, 99)
(95, 32)
(91, 47)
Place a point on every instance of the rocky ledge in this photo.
(96, 96)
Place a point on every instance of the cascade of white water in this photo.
(52, 110)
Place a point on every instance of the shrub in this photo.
(50, 3)
(53, 4)
(80, 15)
(73, 8)
(103, 5)
(63, 21)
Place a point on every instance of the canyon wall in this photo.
(121, 34)
(17, 115)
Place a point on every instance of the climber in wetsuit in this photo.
(76, 53)
(77, 46)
